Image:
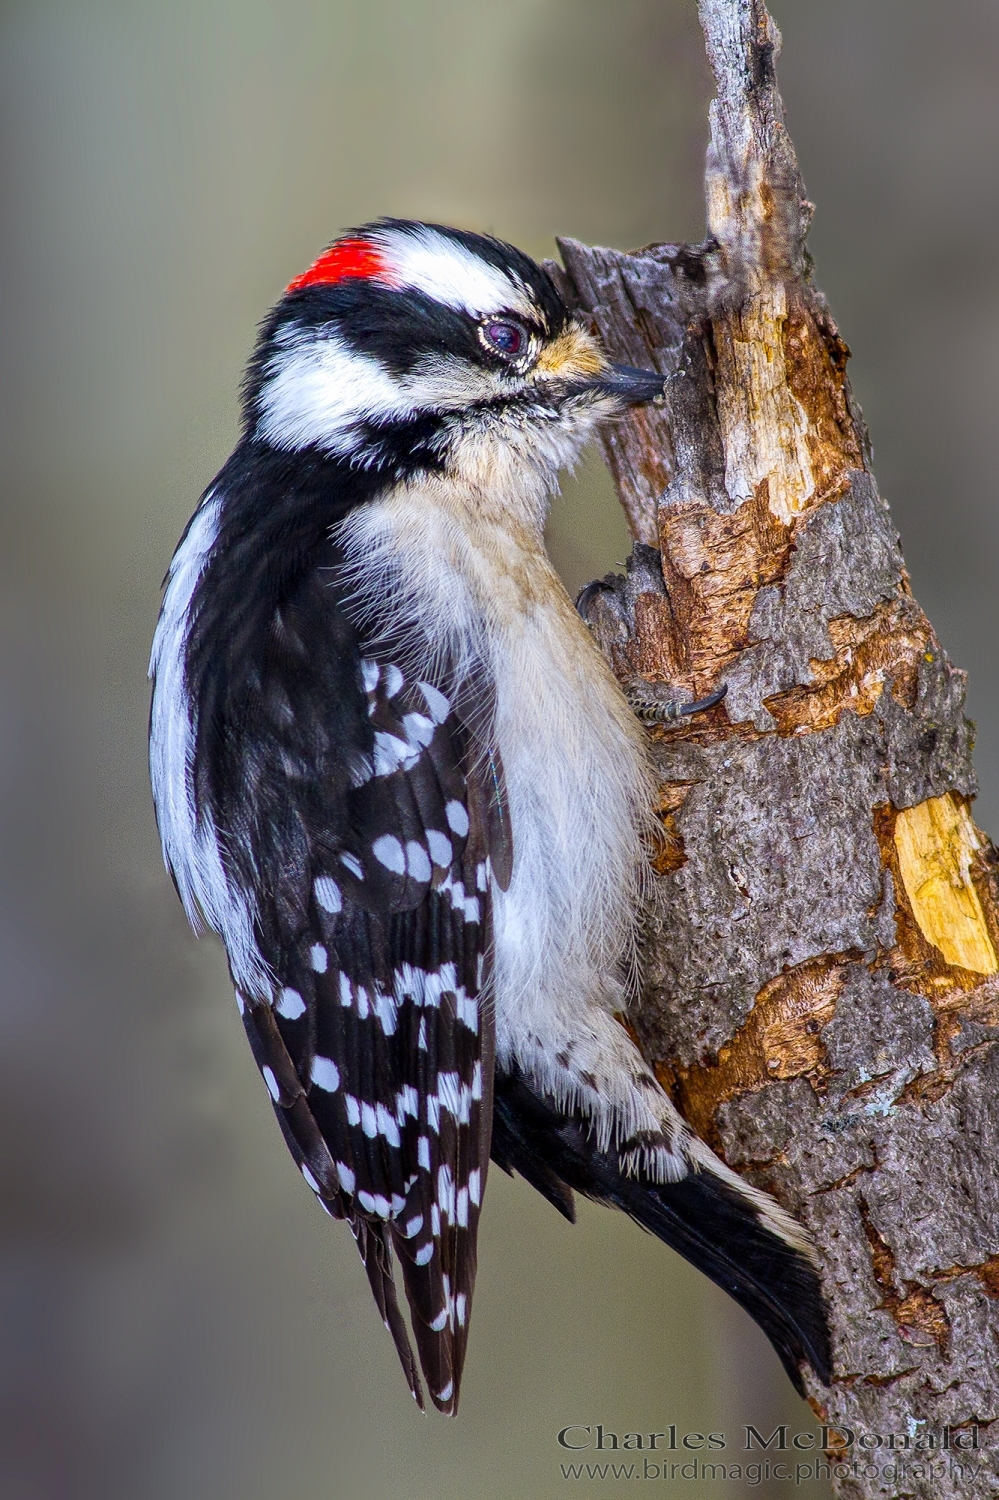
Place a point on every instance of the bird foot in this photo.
(657, 702)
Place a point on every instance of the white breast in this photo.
(472, 563)
(577, 783)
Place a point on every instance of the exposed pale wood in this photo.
(820, 973)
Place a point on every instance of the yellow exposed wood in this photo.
(936, 844)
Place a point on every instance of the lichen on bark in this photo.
(820, 977)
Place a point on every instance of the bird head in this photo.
(410, 345)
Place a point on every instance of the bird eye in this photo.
(508, 339)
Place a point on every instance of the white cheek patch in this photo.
(437, 265)
(317, 390)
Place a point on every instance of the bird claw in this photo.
(700, 704)
(651, 707)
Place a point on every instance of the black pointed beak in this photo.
(630, 385)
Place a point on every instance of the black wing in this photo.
(364, 809)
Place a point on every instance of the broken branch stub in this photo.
(820, 972)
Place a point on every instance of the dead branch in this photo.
(820, 963)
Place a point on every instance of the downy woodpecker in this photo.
(394, 773)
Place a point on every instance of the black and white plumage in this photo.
(393, 772)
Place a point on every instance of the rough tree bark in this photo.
(821, 983)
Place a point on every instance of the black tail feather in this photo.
(518, 1117)
(376, 1253)
(708, 1221)
(719, 1231)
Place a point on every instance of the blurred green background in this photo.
(177, 1318)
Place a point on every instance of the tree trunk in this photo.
(820, 990)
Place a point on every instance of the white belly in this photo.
(577, 783)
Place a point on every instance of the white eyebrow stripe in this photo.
(432, 263)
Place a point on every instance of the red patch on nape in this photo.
(345, 259)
